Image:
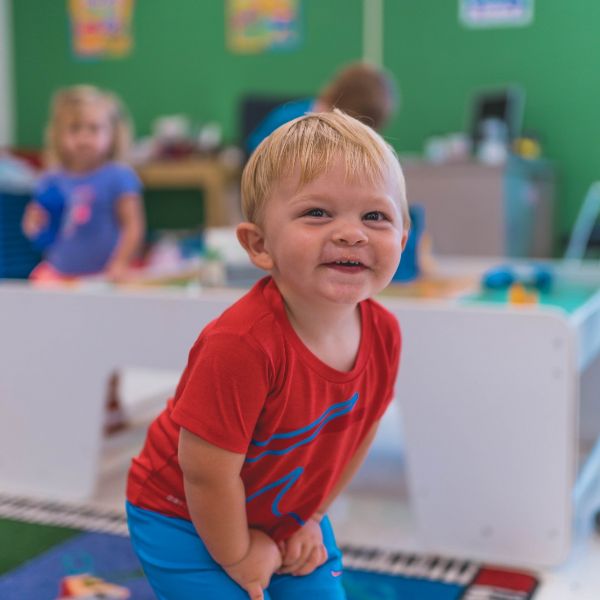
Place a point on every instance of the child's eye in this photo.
(315, 212)
(375, 215)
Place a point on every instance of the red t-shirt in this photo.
(251, 386)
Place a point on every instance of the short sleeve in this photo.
(226, 388)
(127, 180)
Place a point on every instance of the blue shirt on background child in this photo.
(89, 227)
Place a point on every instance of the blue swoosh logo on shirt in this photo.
(333, 412)
(287, 481)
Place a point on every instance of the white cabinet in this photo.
(478, 210)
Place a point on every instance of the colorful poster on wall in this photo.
(101, 28)
(255, 26)
(496, 13)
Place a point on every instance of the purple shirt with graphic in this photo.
(89, 228)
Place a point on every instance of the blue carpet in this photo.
(111, 558)
(107, 556)
(370, 574)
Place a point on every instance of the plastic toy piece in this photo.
(499, 278)
(88, 587)
(503, 277)
(518, 294)
(543, 278)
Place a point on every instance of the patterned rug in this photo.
(46, 547)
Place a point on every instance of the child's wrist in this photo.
(318, 516)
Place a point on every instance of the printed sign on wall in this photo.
(255, 26)
(496, 13)
(101, 28)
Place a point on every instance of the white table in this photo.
(490, 397)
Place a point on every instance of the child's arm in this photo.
(216, 501)
(304, 551)
(133, 224)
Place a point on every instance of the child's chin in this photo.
(348, 294)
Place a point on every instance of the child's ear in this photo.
(404, 239)
(252, 240)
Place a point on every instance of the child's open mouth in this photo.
(348, 266)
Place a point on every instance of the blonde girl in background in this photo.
(87, 212)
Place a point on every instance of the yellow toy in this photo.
(519, 294)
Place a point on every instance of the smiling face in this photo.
(325, 203)
(334, 239)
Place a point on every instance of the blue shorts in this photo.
(179, 567)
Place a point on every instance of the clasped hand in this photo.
(304, 551)
(300, 554)
(253, 572)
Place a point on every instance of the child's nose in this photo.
(350, 234)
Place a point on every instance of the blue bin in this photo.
(17, 255)
(408, 269)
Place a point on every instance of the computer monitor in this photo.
(254, 108)
(505, 104)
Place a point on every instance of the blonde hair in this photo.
(70, 100)
(364, 92)
(313, 143)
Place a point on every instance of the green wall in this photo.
(556, 60)
(180, 63)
